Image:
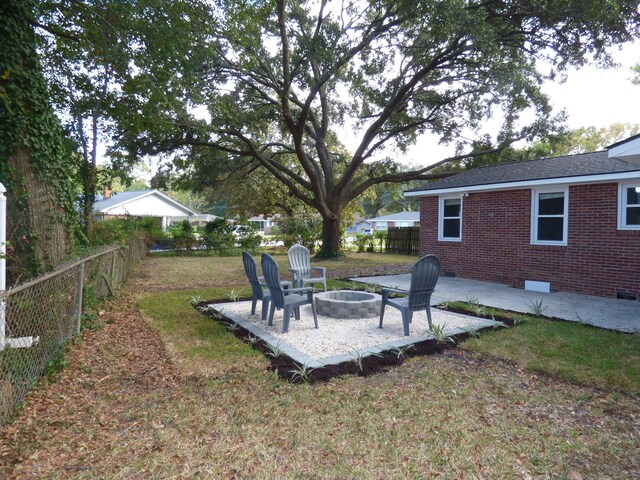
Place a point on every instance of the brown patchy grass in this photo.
(122, 409)
(191, 273)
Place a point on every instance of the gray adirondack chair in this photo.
(293, 299)
(258, 287)
(300, 266)
(424, 276)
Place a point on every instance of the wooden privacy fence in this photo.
(405, 240)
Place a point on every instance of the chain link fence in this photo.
(38, 317)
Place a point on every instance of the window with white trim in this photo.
(549, 216)
(450, 219)
(629, 206)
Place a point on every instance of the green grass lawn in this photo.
(465, 415)
(162, 391)
(568, 350)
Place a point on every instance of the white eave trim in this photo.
(607, 177)
(625, 148)
(150, 192)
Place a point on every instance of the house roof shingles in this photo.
(117, 198)
(595, 163)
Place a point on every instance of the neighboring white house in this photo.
(401, 219)
(145, 203)
(360, 226)
(263, 224)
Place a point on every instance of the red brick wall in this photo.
(496, 242)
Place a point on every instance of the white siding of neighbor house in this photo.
(151, 205)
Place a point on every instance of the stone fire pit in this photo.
(348, 304)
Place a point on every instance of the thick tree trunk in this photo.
(330, 237)
(37, 236)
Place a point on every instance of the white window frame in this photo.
(622, 204)
(441, 237)
(535, 194)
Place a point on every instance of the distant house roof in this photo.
(205, 217)
(263, 218)
(144, 202)
(397, 217)
(585, 167)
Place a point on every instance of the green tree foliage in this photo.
(184, 236)
(96, 53)
(286, 76)
(591, 139)
(568, 142)
(387, 198)
(303, 229)
(218, 236)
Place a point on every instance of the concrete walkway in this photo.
(612, 314)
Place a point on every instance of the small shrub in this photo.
(301, 373)
(220, 242)
(439, 335)
(536, 307)
(361, 240)
(184, 236)
(303, 229)
(250, 242)
(232, 327)
(381, 237)
(370, 288)
(274, 350)
(401, 352)
(120, 230)
(472, 301)
(358, 358)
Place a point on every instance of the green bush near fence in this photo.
(118, 231)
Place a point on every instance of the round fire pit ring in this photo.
(348, 304)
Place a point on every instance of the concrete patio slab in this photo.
(608, 313)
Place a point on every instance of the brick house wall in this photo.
(496, 245)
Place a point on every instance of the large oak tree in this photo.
(289, 76)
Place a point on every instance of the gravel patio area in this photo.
(341, 336)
